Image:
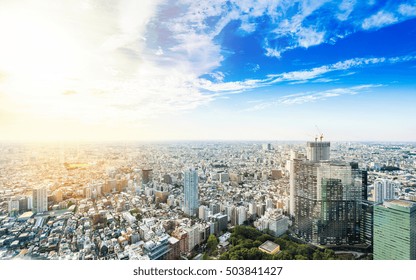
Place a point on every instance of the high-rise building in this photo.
(214, 208)
(23, 204)
(395, 230)
(318, 151)
(13, 205)
(40, 199)
(146, 175)
(383, 190)
(191, 200)
(326, 197)
(241, 215)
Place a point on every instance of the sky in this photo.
(207, 70)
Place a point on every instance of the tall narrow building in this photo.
(191, 199)
(383, 190)
(395, 230)
(40, 199)
(326, 198)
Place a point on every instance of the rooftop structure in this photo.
(269, 247)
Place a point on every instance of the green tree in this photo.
(300, 257)
(212, 244)
(317, 255)
(328, 254)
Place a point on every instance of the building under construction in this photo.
(326, 197)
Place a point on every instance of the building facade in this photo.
(40, 199)
(327, 198)
(395, 230)
(383, 190)
(191, 195)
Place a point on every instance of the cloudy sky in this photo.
(198, 70)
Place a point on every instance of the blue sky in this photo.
(224, 70)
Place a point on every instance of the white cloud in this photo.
(324, 80)
(315, 74)
(346, 7)
(313, 96)
(407, 10)
(381, 19)
(248, 27)
(255, 68)
(308, 37)
(270, 52)
(116, 76)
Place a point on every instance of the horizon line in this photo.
(196, 140)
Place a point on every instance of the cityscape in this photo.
(174, 200)
(208, 130)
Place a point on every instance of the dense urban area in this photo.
(206, 200)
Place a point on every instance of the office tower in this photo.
(13, 206)
(383, 190)
(146, 175)
(241, 215)
(317, 151)
(395, 230)
(326, 198)
(214, 208)
(293, 169)
(267, 147)
(40, 199)
(367, 222)
(23, 204)
(202, 212)
(191, 201)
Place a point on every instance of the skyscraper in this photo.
(40, 199)
(326, 197)
(191, 200)
(146, 175)
(383, 190)
(395, 230)
(318, 150)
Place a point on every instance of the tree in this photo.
(328, 254)
(317, 255)
(212, 244)
(300, 257)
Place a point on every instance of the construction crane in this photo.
(320, 133)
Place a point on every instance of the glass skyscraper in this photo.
(191, 200)
(395, 230)
(327, 198)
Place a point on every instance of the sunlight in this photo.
(37, 51)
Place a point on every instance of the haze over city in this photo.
(223, 70)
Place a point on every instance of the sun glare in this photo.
(36, 50)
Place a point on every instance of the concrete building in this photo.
(40, 199)
(157, 250)
(146, 175)
(318, 151)
(383, 190)
(273, 221)
(395, 230)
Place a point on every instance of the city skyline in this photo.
(217, 70)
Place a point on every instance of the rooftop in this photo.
(402, 203)
(269, 247)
